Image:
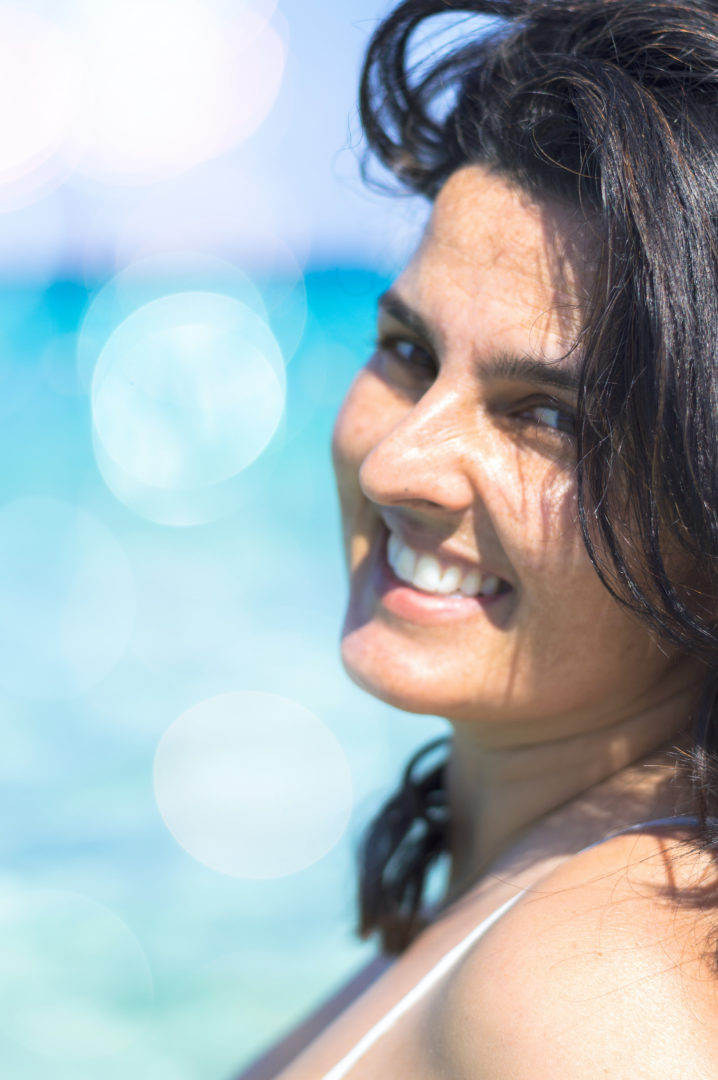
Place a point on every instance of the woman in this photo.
(528, 475)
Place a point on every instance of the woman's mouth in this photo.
(426, 573)
(418, 586)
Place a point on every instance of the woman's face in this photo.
(471, 593)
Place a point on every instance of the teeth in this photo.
(471, 584)
(427, 573)
(450, 580)
(393, 549)
(490, 586)
(424, 572)
(405, 563)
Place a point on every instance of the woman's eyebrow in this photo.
(391, 303)
(527, 370)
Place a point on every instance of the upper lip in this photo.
(417, 540)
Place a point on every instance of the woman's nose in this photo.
(427, 457)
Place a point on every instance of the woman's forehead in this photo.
(491, 247)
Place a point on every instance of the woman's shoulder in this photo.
(607, 967)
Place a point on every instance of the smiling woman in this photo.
(529, 492)
(463, 462)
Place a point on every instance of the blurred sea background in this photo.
(189, 266)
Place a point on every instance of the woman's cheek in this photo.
(352, 437)
(357, 430)
(541, 512)
(369, 411)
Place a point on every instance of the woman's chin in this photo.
(404, 682)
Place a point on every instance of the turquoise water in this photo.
(124, 953)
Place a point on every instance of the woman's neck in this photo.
(497, 794)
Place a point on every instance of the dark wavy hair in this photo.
(611, 105)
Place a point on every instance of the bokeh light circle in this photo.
(202, 234)
(253, 785)
(152, 278)
(202, 79)
(68, 599)
(188, 391)
(74, 980)
(278, 302)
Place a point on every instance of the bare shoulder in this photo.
(284, 1052)
(605, 969)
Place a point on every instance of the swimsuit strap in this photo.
(662, 822)
(418, 991)
(450, 958)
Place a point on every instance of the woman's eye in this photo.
(550, 415)
(410, 355)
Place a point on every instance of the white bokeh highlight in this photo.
(75, 983)
(144, 280)
(68, 602)
(253, 785)
(171, 84)
(276, 304)
(187, 392)
(41, 78)
(129, 93)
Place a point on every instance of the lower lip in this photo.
(420, 607)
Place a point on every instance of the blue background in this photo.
(125, 955)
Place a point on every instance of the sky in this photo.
(227, 127)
